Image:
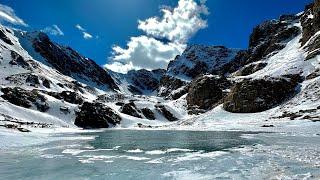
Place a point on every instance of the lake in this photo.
(135, 154)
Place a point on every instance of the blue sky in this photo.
(114, 22)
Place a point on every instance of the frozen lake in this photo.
(131, 154)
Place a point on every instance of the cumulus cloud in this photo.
(178, 24)
(53, 30)
(7, 14)
(84, 32)
(164, 37)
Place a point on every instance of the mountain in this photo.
(44, 84)
(200, 59)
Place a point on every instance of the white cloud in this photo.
(84, 32)
(144, 53)
(7, 14)
(87, 35)
(80, 27)
(176, 25)
(53, 30)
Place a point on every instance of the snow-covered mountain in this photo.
(200, 59)
(44, 84)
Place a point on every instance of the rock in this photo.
(310, 25)
(148, 113)
(140, 125)
(46, 83)
(168, 84)
(96, 115)
(166, 113)
(33, 80)
(23, 129)
(267, 126)
(250, 96)
(144, 80)
(4, 37)
(24, 98)
(18, 60)
(206, 91)
(71, 63)
(130, 109)
(65, 110)
(68, 96)
(250, 69)
(200, 59)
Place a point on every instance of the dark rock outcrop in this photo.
(310, 21)
(206, 91)
(168, 84)
(130, 109)
(17, 59)
(24, 98)
(165, 112)
(4, 37)
(310, 25)
(200, 59)
(96, 115)
(250, 96)
(68, 96)
(250, 69)
(144, 80)
(148, 113)
(71, 63)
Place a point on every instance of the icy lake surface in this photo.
(130, 154)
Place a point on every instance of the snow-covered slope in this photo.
(275, 80)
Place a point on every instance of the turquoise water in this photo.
(123, 154)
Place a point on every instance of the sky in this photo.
(132, 34)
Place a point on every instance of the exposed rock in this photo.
(310, 25)
(46, 83)
(33, 80)
(65, 110)
(148, 113)
(200, 59)
(130, 109)
(4, 37)
(24, 98)
(206, 91)
(176, 94)
(250, 69)
(250, 96)
(71, 63)
(18, 60)
(165, 112)
(96, 115)
(270, 37)
(68, 96)
(168, 84)
(144, 80)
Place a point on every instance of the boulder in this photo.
(25, 98)
(206, 91)
(165, 112)
(17, 59)
(68, 96)
(96, 115)
(148, 113)
(130, 109)
(250, 96)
